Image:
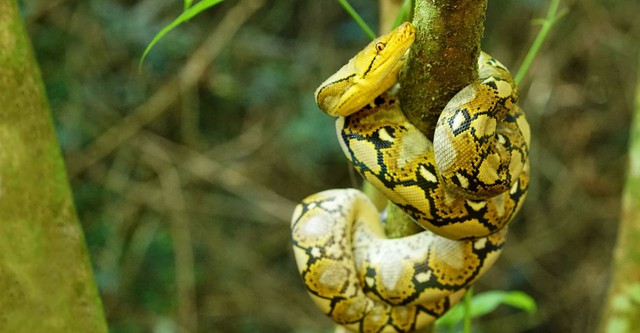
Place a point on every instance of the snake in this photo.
(463, 187)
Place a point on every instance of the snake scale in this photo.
(463, 187)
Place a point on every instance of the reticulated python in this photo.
(463, 187)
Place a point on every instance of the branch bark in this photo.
(441, 62)
(443, 58)
(47, 282)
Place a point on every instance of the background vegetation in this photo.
(185, 173)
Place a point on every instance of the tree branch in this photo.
(442, 61)
(443, 58)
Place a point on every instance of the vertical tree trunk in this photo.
(621, 311)
(45, 277)
(442, 61)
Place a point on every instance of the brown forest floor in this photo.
(185, 173)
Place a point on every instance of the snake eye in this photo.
(380, 47)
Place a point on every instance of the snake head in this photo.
(367, 75)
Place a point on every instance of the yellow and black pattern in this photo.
(463, 187)
(470, 181)
(380, 285)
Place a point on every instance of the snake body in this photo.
(463, 187)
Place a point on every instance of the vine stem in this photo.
(547, 23)
(466, 328)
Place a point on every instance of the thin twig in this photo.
(174, 204)
(227, 178)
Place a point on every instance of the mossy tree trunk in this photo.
(621, 311)
(45, 276)
(442, 61)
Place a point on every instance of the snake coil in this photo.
(463, 188)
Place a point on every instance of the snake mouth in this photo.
(403, 39)
(407, 35)
(398, 44)
(408, 30)
(387, 61)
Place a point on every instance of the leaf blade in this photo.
(486, 302)
(356, 17)
(185, 16)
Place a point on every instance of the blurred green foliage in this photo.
(238, 142)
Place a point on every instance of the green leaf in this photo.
(185, 16)
(487, 302)
(356, 17)
(187, 4)
(452, 317)
(547, 23)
